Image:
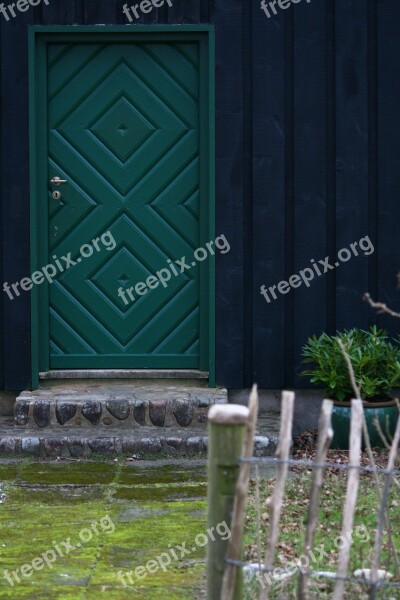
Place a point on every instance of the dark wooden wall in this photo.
(308, 161)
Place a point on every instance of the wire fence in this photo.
(301, 570)
(301, 576)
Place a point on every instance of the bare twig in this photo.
(350, 369)
(380, 307)
(383, 437)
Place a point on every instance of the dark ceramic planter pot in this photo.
(386, 413)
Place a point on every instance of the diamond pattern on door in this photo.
(122, 128)
(124, 133)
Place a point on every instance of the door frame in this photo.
(39, 37)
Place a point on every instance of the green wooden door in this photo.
(124, 132)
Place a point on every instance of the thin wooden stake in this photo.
(324, 441)
(369, 452)
(382, 512)
(282, 452)
(242, 488)
(357, 416)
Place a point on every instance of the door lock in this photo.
(56, 195)
(57, 181)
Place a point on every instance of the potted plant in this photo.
(376, 363)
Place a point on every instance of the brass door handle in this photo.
(57, 181)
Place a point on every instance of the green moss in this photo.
(8, 472)
(168, 474)
(168, 493)
(69, 473)
(56, 495)
(34, 592)
(142, 593)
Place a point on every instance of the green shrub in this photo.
(375, 359)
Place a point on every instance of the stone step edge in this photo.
(84, 446)
(65, 411)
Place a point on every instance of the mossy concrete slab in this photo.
(139, 511)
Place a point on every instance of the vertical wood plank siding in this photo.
(307, 162)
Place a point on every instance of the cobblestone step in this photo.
(150, 419)
(143, 442)
(105, 405)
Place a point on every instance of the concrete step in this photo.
(116, 404)
(190, 375)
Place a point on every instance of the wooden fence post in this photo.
(226, 428)
(239, 506)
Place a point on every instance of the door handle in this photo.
(57, 181)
